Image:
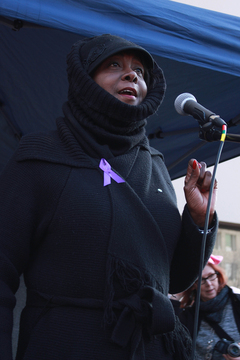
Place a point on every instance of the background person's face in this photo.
(122, 75)
(210, 289)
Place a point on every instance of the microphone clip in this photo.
(212, 130)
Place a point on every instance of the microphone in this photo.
(186, 104)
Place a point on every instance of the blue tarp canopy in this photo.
(197, 49)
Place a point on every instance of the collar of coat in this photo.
(60, 148)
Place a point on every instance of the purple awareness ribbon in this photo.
(108, 173)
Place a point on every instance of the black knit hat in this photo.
(97, 49)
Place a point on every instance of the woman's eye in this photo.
(114, 64)
(139, 71)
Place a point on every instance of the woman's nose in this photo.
(130, 75)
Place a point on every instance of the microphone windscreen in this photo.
(180, 102)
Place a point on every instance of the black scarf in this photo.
(213, 309)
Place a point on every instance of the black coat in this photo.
(80, 244)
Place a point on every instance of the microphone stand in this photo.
(201, 265)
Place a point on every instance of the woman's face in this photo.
(209, 289)
(122, 75)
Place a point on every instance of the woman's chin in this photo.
(209, 295)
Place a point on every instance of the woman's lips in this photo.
(131, 92)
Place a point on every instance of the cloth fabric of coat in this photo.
(98, 261)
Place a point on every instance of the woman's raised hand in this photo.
(196, 189)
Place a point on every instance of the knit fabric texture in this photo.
(98, 48)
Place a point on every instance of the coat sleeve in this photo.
(26, 209)
(186, 316)
(15, 234)
(186, 258)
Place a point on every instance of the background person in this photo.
(219, 307)
(89, 215)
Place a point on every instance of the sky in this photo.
(228, 193)
(230, 7)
